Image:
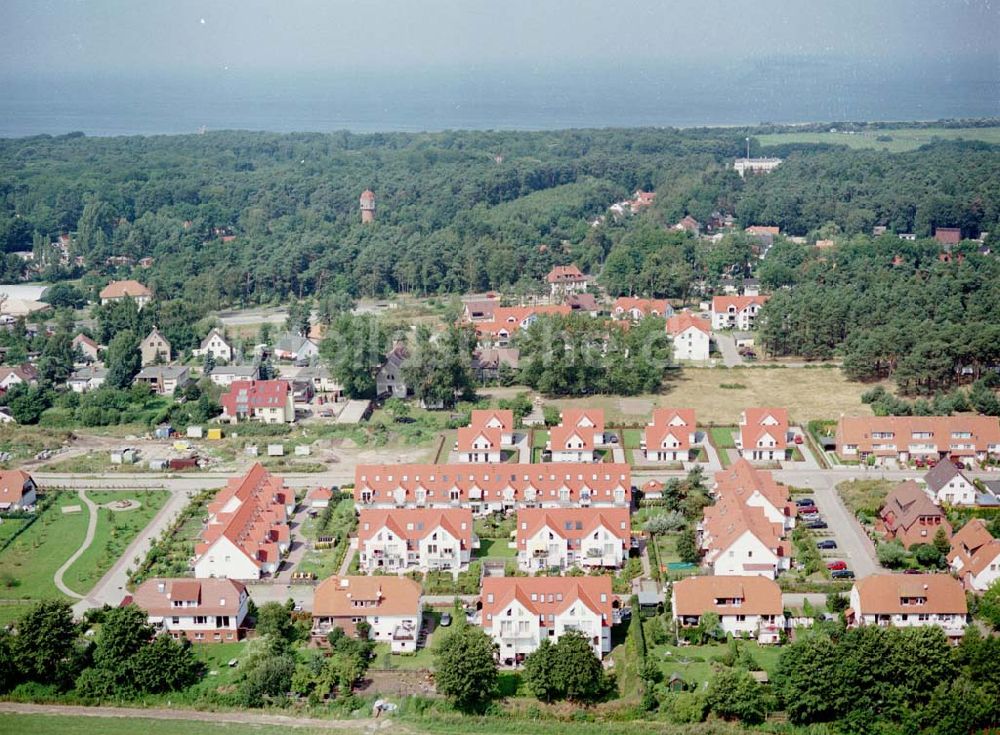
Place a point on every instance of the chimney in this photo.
(161, 587)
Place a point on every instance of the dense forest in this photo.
(238, 218)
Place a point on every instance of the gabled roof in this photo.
(565, 274)
(483, 418)
(572, 523)
(413, 524)
(213, 596)
(882, 594)
(12, 485)
(545, 596)
(969, 539)
(646, 307)
(721, 304)
(741, 480)
(591, 419)
(156, 334)
(941, 474)
(162, 372)
(685, 320)
(255, 394)
(987, 554)
(676, 422)
(392, 596)
(214, 333)
(906, 504)
(727, 595)
(561, 436)
(291, 342)
(757, 421)
(510, 318)
(858, 431)
(469, 435)
(82, 339)
(582, 302)
(121, 289)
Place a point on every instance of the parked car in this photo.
(445, 620)
(798, 438)
(842, 574)
(805, 501)
(817, 524)
(805, 510)
(809, 517)
(839, 565)
(827, 543)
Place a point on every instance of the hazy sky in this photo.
(57, 36)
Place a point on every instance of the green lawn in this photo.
(36, 554)
(631, 438)
(696, 664)
(539, 438)
(495, 548)
(10, 526)
(723, 439)
(903, 139)
(324, 562)
(72, 725)
(115, 531)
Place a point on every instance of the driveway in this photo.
(727, 346)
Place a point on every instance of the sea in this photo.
(769, 89)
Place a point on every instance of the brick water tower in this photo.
(367, 206)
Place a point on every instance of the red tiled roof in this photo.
(565, 274)
(858, 431)
(721, 304)
(393, 596)
(676, 422)
(468, 435)
(882, 594)
(511, 318)
(121, 289)
(680, 323)
(758, 421)
(413, 524)
(213, 596)
(624, 304)
(572, 523)
(12, 484)
(244, 395)
(727, 595)
(501, 418)
(552, 596)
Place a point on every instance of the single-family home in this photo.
(565, 279)
(636, 309)
(401, 539)
(492, 488)
(247, 530)
(910, 516)
(736, 312)
(164, 379)
(562, 538)
(479, 310)
(84, 379)
(119, 290)
(688, 224)
(487, 362)
(17, 490)
(739, 539)
(201, 610)
(225, 375)
(747, 607)
(906, 438)
(690, 336)
(389, 381)
(949, 485)
(155, 348)
(582, 303)
(494, 418)
(216, 345)
(519, 612)
(576, 436)
(948, 235)
(269, 401)
(975, 555)
(478, 444)
(321, 380)
(966, 542)
(670, 435)
(295, 347)
(763, 434)
(908, 601)
(392, 606)
(89, 350)
(24, 374)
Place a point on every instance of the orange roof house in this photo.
(117, 290)
(566, 537)
(508, 320)
(910, 516)
(430, 538)
(478, 444)
(684, 320)
(494, 418)
(737, 312)
(247, 530)
(17, 490)
(201, 610)
(392, 607)
(763, 433)
(670, 434)
(909, 437)
(745, 605)
(492, 487)
(637, 308)
(966, 542)
(908, 600)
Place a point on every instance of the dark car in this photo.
(801, 502)
(842, 574)
(816, 524)
(828, 543)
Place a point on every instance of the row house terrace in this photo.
(563, 538)
(906, 438)
(519, 612)
(247, 531)
(399, 540)
(757, 489)
(489, 488)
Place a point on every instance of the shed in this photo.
(275, 450)
(164, 431)
(675, 683)
(302, 450)
(251, 450)
(158, 464)
(195, 432)
(214, 434)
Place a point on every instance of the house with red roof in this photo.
(492, 488)
(201, 610)
(904, 438)
(495, 418)
(319, 498)
(507, 321)
(576, 436)
(17, 490)
(909, 601)
(478, 444)
(119, 290)
(247, 531)
(910, 516)
(269, 401)
(690, 336)
(736, 312)
(519, 612)
(392, 606)
(975, 556)
(763, 434)
(746, 606)
(758, 489)
(565, 279)
(637, 309)
(670, 435)
(401, 539)
(563, 538)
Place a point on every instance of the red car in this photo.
(798, 438)
(807, 509)
(835, 565)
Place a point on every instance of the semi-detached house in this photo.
(519, 612)
(909, 601)
(748, 607)
(579, 432)
(670, 435)
(201, 610)
(398, 540)
(562, 538)
(975, 556)
(763, 434)
(489, 488)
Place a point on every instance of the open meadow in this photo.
(894, 140)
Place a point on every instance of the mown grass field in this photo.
(903, 139)
(807, 393)
(33, 558)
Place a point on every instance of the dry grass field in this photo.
(807, 393)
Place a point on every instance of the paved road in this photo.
(727, 346)
(88, 539)
(272, 722)
(110, 589)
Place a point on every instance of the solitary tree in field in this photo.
(466, 668)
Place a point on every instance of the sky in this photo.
(57, 37)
